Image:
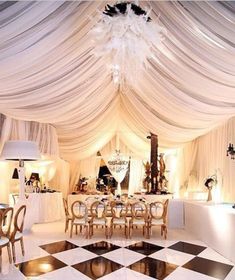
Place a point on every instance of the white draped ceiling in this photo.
(49, 74)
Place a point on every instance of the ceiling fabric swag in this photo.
(50, 75)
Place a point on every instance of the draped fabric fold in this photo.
(206, 156)
(50, 77)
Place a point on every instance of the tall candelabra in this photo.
(231, 152)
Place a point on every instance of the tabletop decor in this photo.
(126, 35)
(210, 183)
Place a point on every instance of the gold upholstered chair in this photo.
(139, 217)
(68, 217)
(79, 217)
(17, 233)
(158, 216)
(98, 217)
(119, 216)
(5, 227)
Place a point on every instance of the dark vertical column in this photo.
(154, 162)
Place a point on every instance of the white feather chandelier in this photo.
(126, 35)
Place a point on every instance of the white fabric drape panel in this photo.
(136, 176)
(207, 156)
(49, 74)
(44, 134)
(50, 78)
(88, 168)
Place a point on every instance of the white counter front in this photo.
(175, 209)
(214, 224)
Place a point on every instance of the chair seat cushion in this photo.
(156, 222)
(99, 222)
(138, 222)
(80, 221)
(119, 221)
(18, 235)
(3, 241)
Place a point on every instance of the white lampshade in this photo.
(20, 150)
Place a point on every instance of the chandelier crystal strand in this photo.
(118, 166)
(126, 36)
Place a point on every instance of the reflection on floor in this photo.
(51, 254)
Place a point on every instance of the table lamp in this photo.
(21, 151)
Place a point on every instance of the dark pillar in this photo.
(154, 162)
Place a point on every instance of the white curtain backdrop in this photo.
(206, 156)
(50, 77)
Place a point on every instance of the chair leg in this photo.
(9, 252)
(13, 252)
(130, 231)
(66, 225)
(22, 245)
(71, 230)
(76, 226)
(0, 260)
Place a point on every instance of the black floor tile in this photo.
(40, 266)
(97, 267)
(145, 248)
(154, 268)
(187, 248)
(101, 247)
(209, 267)
(57, 247)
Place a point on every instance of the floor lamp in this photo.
(21, 151)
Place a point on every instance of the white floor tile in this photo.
(66, 273)
(124, 256)
(10, 272)
(172, 256)
(74, 256)
(231, 275)
(185, 274)
(126, 274)
(210, 254)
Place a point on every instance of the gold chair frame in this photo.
(121, 217)
(79, 220)
(5, 232)
(139, 212)
(162, 217)
(18, 229)
(97, 219)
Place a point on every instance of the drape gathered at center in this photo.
(50, 75)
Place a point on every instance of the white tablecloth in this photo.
(46, 207)
(42, 208)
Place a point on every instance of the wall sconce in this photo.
(231, 151)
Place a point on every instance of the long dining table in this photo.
(175, 208)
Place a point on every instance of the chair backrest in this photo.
(158, 210)
(118, 209)
(19, 221)
(6, 216)
(89, 200)
(79, 210)
(66, 209)
(98, 210)
(139, 210)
